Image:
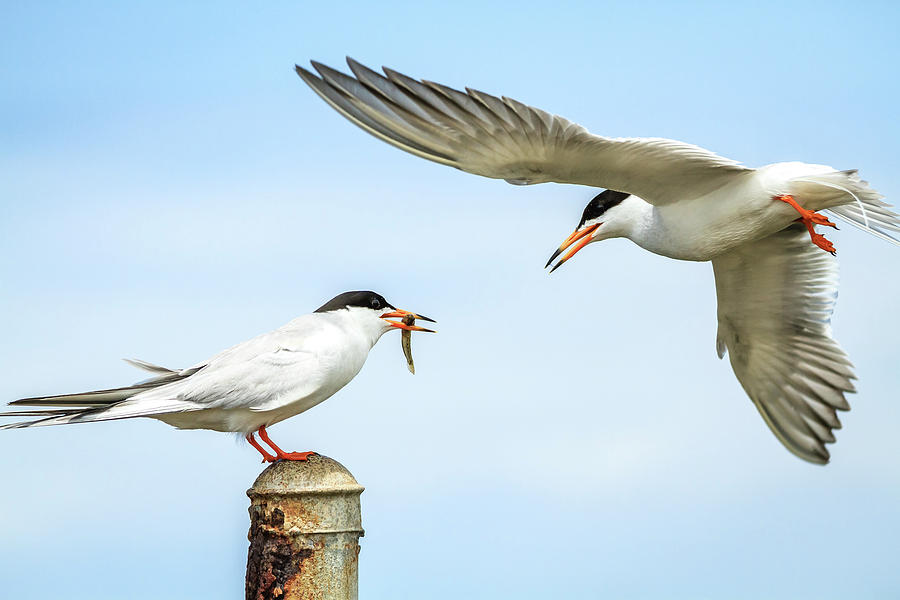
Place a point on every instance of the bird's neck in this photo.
(634, 220)
(363, 326)
(667, 230)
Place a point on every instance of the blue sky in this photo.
(169, 187)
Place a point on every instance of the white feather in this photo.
(256, 383)
(775, 301)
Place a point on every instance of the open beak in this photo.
(584, 235)
(400, 313)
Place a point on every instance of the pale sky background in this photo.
(170, 187)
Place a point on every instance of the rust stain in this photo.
(304, 534)
(273, 563)
(310, 517)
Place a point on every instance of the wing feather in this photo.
(775, 299)
(501, 138)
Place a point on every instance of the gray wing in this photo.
(505, 139)
(262, 373)
(775, 299)
(89, 406)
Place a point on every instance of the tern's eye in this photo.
(376, 303)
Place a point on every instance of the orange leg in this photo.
(279, 453)
(810, 219)
(266, 456)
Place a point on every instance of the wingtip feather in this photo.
(306, 75)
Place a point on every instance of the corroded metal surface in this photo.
(304, 535)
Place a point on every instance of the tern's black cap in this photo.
(362, 299)
(601, 203)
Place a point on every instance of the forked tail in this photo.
(850, 199)
(103, 405)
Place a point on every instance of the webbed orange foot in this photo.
(301, 456)
(279, 453)
(819, 240)
(810, 219)
(818, 219)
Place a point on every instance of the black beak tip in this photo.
(555, 254)
(555, 267)
(424, 318)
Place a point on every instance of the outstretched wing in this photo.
(775, 299)
(505, 139)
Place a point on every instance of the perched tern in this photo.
(775, 289)
(248, 387)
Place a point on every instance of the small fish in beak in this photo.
(400, 313)
(406, 343)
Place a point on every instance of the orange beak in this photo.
(400, 313)
(584, 235)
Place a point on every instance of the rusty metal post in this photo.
(305, 526)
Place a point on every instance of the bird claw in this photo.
(819, 219)
(819, 240)
(291, 456)
(301, 456)
(810, 219)
(298, 456)
(279, 453)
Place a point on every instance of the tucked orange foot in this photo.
(810, 219)
(819, 240)
(301, 456)
(279, 453)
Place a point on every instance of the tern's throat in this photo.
(363, 323)
(632, 219)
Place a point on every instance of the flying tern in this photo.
(247, 387)
(775, 290)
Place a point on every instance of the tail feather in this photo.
(123, 410)
(143, 364)
(850, 199)
(18, 425)
(102, 405)
(42, 413)
(110, 396)
(85, 399)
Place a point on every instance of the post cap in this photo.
(318, 475)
